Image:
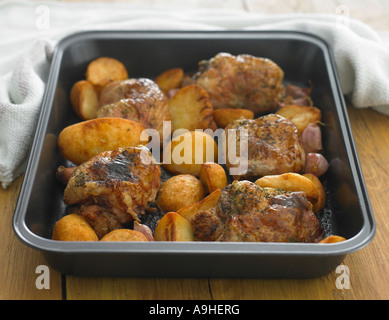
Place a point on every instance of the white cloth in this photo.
(29, 31)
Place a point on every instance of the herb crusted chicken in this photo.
(273, 146)
(114, 187)
(248, 213)
(242, 81)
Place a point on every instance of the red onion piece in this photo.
(311, 138)
(144, 229)
(316, 164)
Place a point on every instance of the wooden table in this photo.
(369, 267)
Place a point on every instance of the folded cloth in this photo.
(362, 58)
(21, 94)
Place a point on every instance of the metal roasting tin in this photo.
(305, 60)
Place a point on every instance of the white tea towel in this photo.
(29, 30)
(21, 94)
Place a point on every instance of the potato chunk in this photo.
(213, 176)
(105, 70)
(333, 239)
(73, 227)
(173, 227)
(124, 235)
(170, 79)
(179, 191)
(294, 182)
(84, 99)
(81, 141)
(223, 117)
(191, 109)
(186, 153)
(321, 199)
(208, 202)
(301, 116)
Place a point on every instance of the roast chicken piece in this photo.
(122, 182)
(243, 81)
(103, 220)
(273, 147)
(247, 212)
(140, 100)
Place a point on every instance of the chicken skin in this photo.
(103, 220)
(122, 182)
(247, 212)
(242, 81)
(273, 147)
(140, 100)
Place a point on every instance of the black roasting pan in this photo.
(305, 60)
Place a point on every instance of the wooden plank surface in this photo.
(18, 262)
(136, 289)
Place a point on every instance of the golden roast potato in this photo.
(186, 153)
(73, 227)
(179, 191)
(208, 202)
(294, 182)
(173, 227)
(223, 117)
(84, 99)
(321, 199)
(81, 141)
(333, 239)
(170, 79)
(213, 176)
(301, 116)
(191, 109)
(124, 235)
(105, 70)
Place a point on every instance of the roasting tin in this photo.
(305, 60)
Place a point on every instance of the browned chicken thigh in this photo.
(273, 146)
(119, 184)
(248, 213)
(140, 100)
(242, 81)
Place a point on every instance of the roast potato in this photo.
(208, 202)
(81, 141)
(105, 70)
(321, 199)
(301, 116)
(191, 109)
(124, 235)
(173, 227)
(84, 99)
(170, 79)
(223, 117)
(213, 176)
(179, 191)
(292, 182)
(185, 153)
(333, 239)
(73, 227)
